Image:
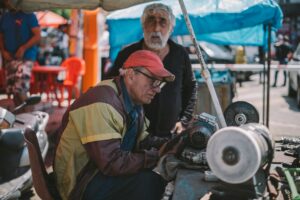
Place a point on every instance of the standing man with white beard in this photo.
(172, 109)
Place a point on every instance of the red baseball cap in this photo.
(150, 61)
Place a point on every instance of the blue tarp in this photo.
(228, 22)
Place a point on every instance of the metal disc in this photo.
(233, 155)
(239, 113)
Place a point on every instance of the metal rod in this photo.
(204, 70)
(264, 90)
(268, 80)
(264, 83)
(264, 94)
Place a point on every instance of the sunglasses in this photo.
(155, 82)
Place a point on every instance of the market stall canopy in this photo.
(50, 19)
(108, 5)
(218, 21)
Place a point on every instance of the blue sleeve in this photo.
(33, 22)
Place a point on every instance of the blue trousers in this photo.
(145, 185)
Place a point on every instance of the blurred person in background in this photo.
(261, 60)
(171, 110)
(240, 58)
(63, 41)
(283, 53)
(19, 35)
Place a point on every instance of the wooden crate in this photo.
(204, 101)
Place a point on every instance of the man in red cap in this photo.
(100, 153)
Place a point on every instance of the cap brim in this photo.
(163, 73)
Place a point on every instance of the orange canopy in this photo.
(48, 18)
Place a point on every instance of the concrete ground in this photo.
(284, 114)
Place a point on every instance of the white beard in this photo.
(156, 43)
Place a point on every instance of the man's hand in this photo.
(19, 54)
(174, 146)
(178, 128)
(7, 56)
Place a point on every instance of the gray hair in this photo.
(123, 71)
(156, 7)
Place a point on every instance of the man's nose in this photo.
(157, 26)
(157, 89)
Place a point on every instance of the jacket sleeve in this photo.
(189, 93)
(153, 142)
(113, 161)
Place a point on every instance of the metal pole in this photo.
(268, 82)
(264, 93)
(264, 84)
(204, 70)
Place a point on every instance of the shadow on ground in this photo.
(291, 102)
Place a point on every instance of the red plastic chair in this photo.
(43, 182)
(2, 79)
(3, 83)
(34, 88)
(75, 69)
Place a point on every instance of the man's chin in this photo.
(155, 46)
(147, 101)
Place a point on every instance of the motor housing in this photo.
(235, 154)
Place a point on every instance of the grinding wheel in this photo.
(239, 113)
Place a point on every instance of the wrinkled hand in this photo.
(178, 128)
(7, 56)
(174, 146)
(20, 52)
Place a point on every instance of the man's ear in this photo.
(129, 77)
(130, 73)
(171, 30)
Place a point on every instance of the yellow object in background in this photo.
(240, 56)
(73, 34)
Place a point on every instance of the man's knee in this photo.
(149, 185)
(150, 181)
(149, 176)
